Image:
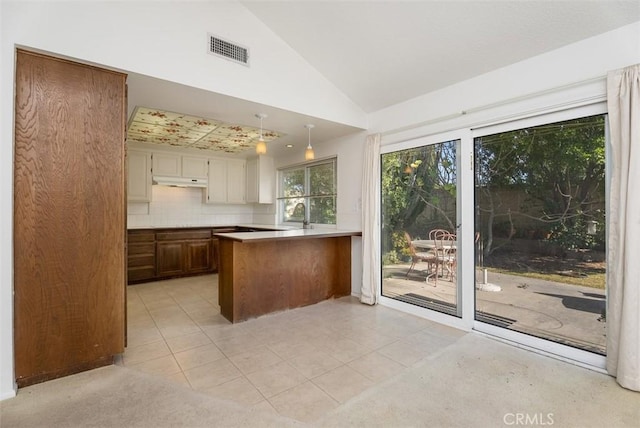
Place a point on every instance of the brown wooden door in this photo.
(69, 217)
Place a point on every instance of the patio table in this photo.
(430, 244)
(445, 253)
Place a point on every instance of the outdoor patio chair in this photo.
(437, 233)
(429, 257)
(446, 262)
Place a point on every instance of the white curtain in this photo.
(623, 245)
(371, 221)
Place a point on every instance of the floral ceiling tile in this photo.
(174, 129)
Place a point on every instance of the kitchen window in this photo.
(308, 193)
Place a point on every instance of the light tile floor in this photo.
(300, 363)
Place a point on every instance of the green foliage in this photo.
(318, 197)
(398, 250)
(572, 234)
(560, 167)
(413, 180)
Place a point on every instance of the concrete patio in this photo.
(564, 313)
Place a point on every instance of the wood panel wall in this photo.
(69, 217)
(264, 276)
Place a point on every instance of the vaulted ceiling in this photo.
(379, 53)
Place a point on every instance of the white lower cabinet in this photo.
(226, 182)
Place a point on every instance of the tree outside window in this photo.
(308, 192)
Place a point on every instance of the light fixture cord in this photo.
(261, 128)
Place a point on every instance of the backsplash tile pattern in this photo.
(183, 206)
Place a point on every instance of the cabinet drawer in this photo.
(146, 236)
(183, 235)
(140, 273)
(147, 248)
(141, 260)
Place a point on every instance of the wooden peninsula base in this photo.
(264, 272)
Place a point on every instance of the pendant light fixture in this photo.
(308, 154)
(261, 147)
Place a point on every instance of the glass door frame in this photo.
(465, 205)
(465, 229)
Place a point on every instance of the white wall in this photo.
(6, 214)
(168, 40)
(588, 59)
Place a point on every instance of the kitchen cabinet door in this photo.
(193, 167)
(217, 183)
(236, 177)
(198, 256)
(138, 176)
(167, 164)
(181, 252)
(170, 258)
(226, 183)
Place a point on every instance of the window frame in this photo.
(307, 196)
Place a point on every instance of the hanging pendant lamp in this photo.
(308, 154)
(261, 147)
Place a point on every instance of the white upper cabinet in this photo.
(226, 178)
(167, 164)
(226, 183)
(236, 186)
(217, 183)
(139, 176)
(260, 180)
(194, 167)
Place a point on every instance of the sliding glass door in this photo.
(419, 226)
(501, 229)
(540, 228)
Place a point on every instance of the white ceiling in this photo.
(380, 53)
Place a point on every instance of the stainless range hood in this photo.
(179, 181)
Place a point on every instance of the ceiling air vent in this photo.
(228, 50)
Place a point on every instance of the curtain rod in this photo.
(496, 104)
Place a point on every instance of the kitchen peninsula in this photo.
(264, 272)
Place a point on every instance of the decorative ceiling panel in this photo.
(180, 130)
